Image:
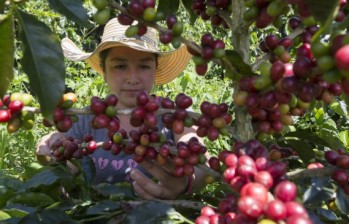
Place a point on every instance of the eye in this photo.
(145, 67)
(121, 66)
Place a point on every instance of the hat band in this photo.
(124, 38)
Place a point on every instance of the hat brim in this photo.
(170, 63)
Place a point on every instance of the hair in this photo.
(103, 56)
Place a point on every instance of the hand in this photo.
(168, 186)
(43, 151)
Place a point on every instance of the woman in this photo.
(130, 65)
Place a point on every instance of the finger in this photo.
(54, 138)
(141, 192)
(156, 170)
(147, 185)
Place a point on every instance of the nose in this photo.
(132, 76)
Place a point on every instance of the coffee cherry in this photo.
(250, 206)
(100, 4)
(15, 106)
(276, 210)
(131, 31)
(102, 16)
(5, 116)
(166, 37)
(342, 58)
(201, 69)
(125, 19)
(149, 14)
(286, 191)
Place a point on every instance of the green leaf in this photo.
(47, 178)
(319, 191)
(32, 169)
(42, 61)
(185, 80)
(304, 149)
(333, 141)
(2, 4)
(151, 212)
(190, 11)
(319, 116)
(235, 66)
(116, 191)
(168, 6)
(4, 215)
(344, 137)
(339, 107)
(19, 210)
(323, 10)
(73, 10)
(7, 182)
(103, 207)
(342, 201)
(327, 214)
(7, 47)
(48, 216)
(89, 169)
(34, 199)
(305, 135)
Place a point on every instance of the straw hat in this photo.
(170, 64)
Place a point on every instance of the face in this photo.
(128, 71)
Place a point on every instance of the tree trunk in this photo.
(241, 43)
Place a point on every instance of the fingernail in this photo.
(134, 174)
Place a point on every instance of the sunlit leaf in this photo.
(42, 61)
(7, 52)
(4, 215)
(339, 107)
(344, 137)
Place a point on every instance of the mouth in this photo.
(131, 90)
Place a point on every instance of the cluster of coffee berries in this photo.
(63, 120)
(332, 60)
(340, 159)
(188, 155)
(208, 10)
(210, 49)
(105, 112)
(178, 120)
(277, 48)
(12, 113)
(144, 113)
(213, 121)
(261, 184)
(103, 11)
(285, 90)
(264, 12)
(65, 149)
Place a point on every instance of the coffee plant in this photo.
(283, 134)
